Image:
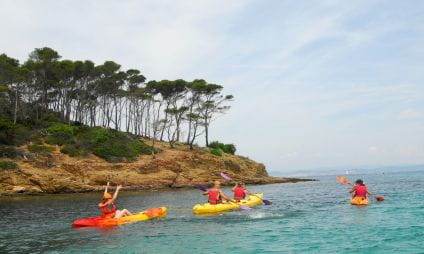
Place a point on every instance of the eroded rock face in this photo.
(18, 189)
(172, 168)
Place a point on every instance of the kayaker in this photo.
(240, 191)
(107, 202)
(359, 190)
(215, 195)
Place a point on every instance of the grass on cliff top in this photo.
(8, 165)
(75, 139)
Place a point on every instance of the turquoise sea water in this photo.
(309, 217)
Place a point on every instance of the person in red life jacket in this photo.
(215, 195)
(360, 190)
(109, 208)
(240, 191)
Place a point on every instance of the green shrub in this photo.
(60, 128)
(40, 149)
(60, 138)
(10, 152)
(21, 135)
(76, 139)
(117, 151)
(216, 151)
(60, 134)
(96, 135)
(226, 148)
(13, 134)
(216, 145)
(49, 118)
(230, 148)
(5, 124)
(8, 165)
(73, 150)
(140, 147)
(6, 131)
(112, 145)
(36, 138)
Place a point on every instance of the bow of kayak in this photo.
(152, 213)
(207, 208)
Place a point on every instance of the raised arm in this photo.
(107, 186)
(115, 195)
(235, 186)
(353, 189)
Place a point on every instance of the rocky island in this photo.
(171, 168)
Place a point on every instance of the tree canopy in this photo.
(107, 96)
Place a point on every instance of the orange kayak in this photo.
(152, 213)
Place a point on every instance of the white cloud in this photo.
(409, 114)
(291, 155)
(372, 149)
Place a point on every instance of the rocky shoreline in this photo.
(178, 167)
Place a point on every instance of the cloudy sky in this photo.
(316, 83)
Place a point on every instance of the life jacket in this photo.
(214, 197)
(361, 191)
(239, 193)
(108, 213)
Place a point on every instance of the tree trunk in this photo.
(206, 132)
(15, 112)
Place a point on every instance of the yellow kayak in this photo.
(152, 213)
(359, 201)
(206, 208)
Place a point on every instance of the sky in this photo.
(317, 83)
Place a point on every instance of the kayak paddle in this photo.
(202, 188)
(345, 181)
(226, 177)
(242, 207)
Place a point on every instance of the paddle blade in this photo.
(225, 177)
(379, 198)
(266, 202)
(343, 180)
(202, 188)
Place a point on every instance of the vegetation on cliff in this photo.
(102, 95)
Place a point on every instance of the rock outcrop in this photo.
(171, 168)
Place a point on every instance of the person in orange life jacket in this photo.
(215, 195)
(107, 202)
(240, 191)
(359, 190)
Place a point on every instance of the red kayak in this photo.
(152, 213)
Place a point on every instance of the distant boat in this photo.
(347, 172)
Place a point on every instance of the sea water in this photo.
(306, 217)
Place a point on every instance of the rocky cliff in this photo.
(171, 168)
